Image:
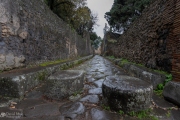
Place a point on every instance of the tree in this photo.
(63, 8)
(80, 19)
(75, 13)
(93, 36)
(84, 20)
(97, 43)
(96, 40)
(124, 12)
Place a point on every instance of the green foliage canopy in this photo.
(123, 12)
(75, 13)
(96, 40)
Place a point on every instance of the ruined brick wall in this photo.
(147, 41)
(174, 43)
(30, 32)
(109, 44)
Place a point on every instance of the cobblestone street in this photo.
(83, 105)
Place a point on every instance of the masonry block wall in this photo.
(153, 39)
(30, 33)
(174, 43)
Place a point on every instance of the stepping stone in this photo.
(95, 91)
(63, 84)
(90, 99)
(126, 93)
(172, 92)
(71, 110)
(42, 110)
(16, 84)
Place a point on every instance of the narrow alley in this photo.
(83, 105)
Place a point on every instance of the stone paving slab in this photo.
(90, 79)
(71, 110)
(98, 114)
(90, 98)
(161, 114)
(41, 110)
(57, 117)
(28, 103)
(98, 83)
(90, 86)
(34, 95)
(172, 92)
(161, 102)
(95, 91)
(175, 114)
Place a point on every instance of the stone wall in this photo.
(152, 39)
(174, 43)
(30, 33)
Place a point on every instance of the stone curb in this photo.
(141, 72)
(171, 92)
(15, 85)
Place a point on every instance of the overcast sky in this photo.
(100, 7)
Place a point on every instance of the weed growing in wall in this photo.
(160, 87)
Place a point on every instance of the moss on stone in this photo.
(123, 61)
(53, 62)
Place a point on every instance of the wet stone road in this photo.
(83, 105)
